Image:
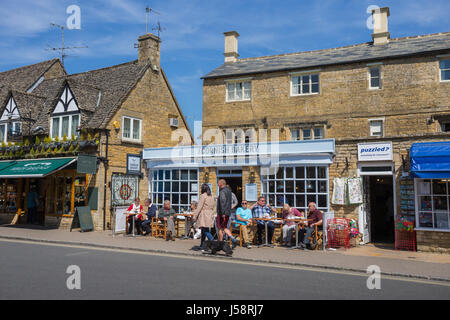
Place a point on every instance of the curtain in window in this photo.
(126, 127)
(65, 127)
(55, 127)
(75, 123)
(136, 129)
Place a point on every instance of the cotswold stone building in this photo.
(53, 119)
(341, 113)
(382, 95)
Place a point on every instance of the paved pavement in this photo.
(39, 271)
(433, 266)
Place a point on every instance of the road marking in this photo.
(76, 254)
(230, 260)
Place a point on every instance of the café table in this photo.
(266, 221)
(297, 222)
(186, 217)
(133, 215)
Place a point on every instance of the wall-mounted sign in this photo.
(375, 151)
(134, 164)
(251, 192)
(87, 164)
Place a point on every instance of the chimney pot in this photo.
(231, 46)
(380, 34)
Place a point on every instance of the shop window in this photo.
(295, 135)
(298, 186)
(433, 204)
(181, 187)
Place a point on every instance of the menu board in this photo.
(407, 201)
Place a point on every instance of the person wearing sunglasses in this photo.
(261, 209)
(244, 219)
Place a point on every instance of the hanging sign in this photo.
(375, 151)
(134, 164)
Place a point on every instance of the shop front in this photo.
(430, 168)
(58, 186)
(295, 172)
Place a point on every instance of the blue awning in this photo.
(430, 160)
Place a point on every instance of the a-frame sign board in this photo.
(82, 219)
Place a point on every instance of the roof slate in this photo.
(362, 52)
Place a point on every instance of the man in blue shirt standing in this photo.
(244, 218)
(262, 210)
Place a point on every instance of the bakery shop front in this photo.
(295, 172)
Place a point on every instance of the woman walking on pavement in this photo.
(204, 214)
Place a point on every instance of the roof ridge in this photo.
(31, 65)
(105, 68)
(343, 47)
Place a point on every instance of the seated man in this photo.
(167, 214)
(151, 213)
(244, 218)
(289, 226)
(316, 216)
(262, 210)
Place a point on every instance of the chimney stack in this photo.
(149, 46)
(231, 46)
(380, 34)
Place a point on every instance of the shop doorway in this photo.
(234, 180)
(379, 204)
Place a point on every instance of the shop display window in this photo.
(433, 198)
(297, 186)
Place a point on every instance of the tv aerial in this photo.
(148, 10)
(159, 28)
(62, 49)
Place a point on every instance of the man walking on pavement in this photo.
(224, 212)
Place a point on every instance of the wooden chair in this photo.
(237, 231)
(159, 228)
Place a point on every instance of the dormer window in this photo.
(65, 118)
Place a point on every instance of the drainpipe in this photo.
(105, 164)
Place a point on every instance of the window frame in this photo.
(445, 58)
(382, 127)
(235, 82)
(369, 74)
(300, 85)
(131, 139)
(60, 116)
(433, 211)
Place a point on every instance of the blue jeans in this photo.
(206, 233)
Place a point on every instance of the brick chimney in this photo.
(149, 46)
(380, 34)
(231, 46)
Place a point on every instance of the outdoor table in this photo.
(297, 222)
(133, 234)
(266, 221)
(186, 216)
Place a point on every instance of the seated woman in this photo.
(289, 226)
(135, 212)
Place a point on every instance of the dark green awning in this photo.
(6, 164)
(34, 168)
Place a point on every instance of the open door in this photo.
(364, 211)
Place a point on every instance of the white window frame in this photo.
(60, 116)
(131, 139)
(369, 76)
(236, 82)
(443, 58)
(431, 195)
(382, 127)
(299, 136)
(301, 75)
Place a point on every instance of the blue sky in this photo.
(193, 37)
